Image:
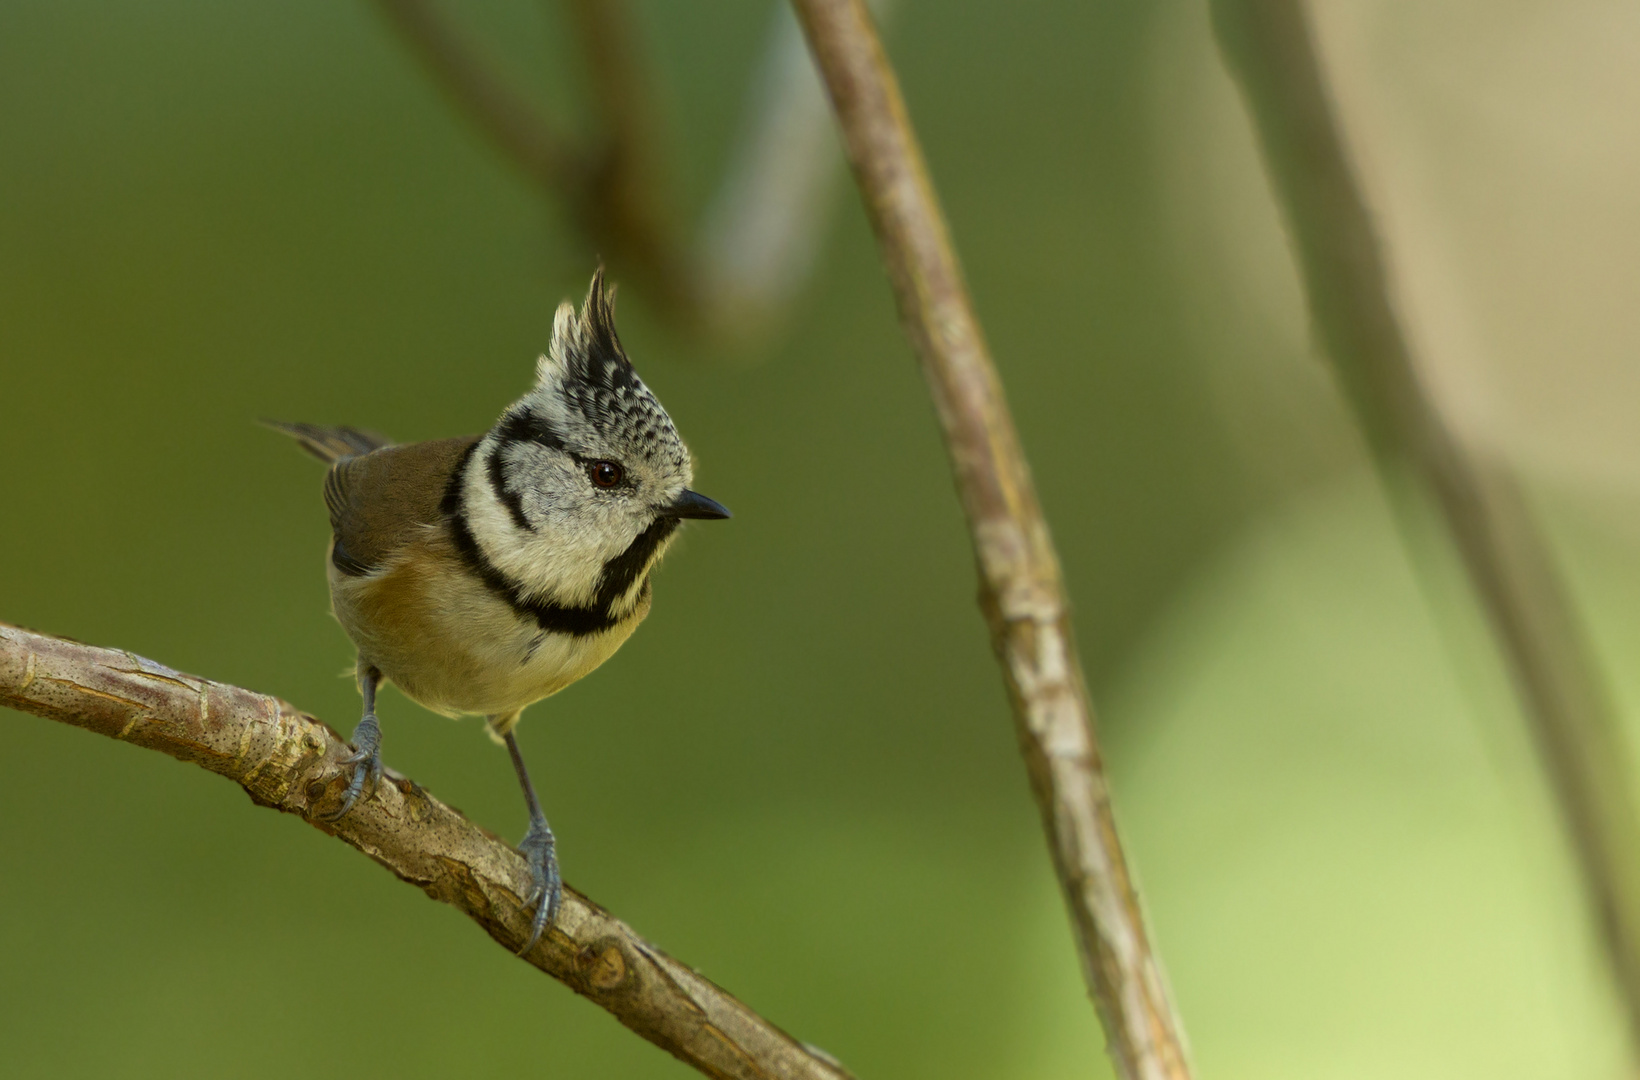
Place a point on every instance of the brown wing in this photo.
(380, 501)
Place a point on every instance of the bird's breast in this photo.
(446, 639)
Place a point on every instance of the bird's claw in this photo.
(539, 849)
(363, 767)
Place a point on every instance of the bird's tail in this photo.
(331, 444)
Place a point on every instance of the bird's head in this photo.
(583, 481)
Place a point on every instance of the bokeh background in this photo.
(800, 776)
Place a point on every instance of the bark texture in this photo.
(287, 760)
(1021, 591)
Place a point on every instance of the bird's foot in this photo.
(363, 767)
(539, 849)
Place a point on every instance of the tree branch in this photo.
(519, 129)
(609, 188)
(1268, 46)
(287, 760)
(625, 206)
(1020, 588)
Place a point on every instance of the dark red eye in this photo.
(606, 474)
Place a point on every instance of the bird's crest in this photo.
(585, 348)
(588, 373)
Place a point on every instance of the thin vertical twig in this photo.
(1269, 47)
(1021, 591)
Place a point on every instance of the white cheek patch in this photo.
(561, 558)
(534, 514)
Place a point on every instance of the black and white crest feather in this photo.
(586, 378)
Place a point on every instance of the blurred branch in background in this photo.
(623, 205)
(516, 126)
(1269, 47)
(762, 231)
(289, 761)
(1021, 590)
(610, 188)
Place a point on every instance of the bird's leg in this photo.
(539, 850)
(364, 766)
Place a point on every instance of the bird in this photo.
(481, 574)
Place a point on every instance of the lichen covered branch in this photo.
(1020, 587)
(289, 761)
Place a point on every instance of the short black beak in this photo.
(692, 504)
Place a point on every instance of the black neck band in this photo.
(619, 574)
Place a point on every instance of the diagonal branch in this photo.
(288, 761)
(761, 234)
(516, 126)
(609, 188)
(1020, 588)
(1268, 46)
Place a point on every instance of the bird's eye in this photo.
(606, 474)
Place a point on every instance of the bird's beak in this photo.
(692, 504)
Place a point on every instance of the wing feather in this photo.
(381, 501)
(330, 444)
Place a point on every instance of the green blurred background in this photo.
(800, 776)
